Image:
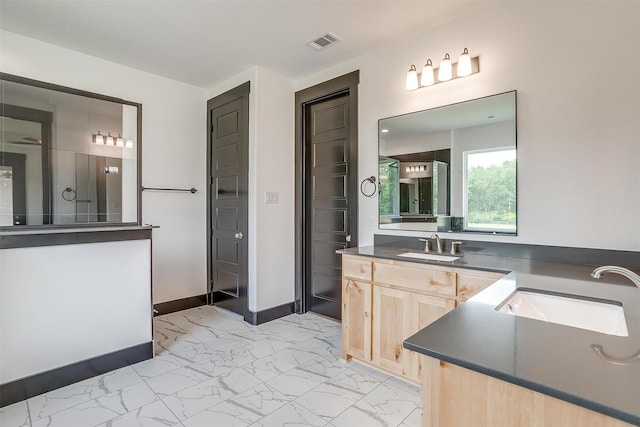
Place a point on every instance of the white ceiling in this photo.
(208, 41)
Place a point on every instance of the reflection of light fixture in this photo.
(109, 140)
(412, 78)
(426, 78)
(465, 66)
(444, 72)
(98, 139)
(384, 130)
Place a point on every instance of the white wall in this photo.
(59, 304)
(271, 169)
(578, 119)
(174, 147)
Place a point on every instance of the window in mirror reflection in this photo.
(490, 189)
(389, 187)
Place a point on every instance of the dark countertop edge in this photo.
(71, 236)
(567, 397)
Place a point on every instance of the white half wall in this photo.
(173, 151)
(63, 304)
(578, 118)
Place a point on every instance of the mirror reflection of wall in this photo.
(52, 127)
(474, 144)
(98, 194)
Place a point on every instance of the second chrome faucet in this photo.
(439, 244)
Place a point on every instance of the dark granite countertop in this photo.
(553, 359)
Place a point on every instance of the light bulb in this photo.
(464, 64)
(98, 139)
(426, 78)
(119, 141)
(412, 78)
(110, 139)
(444, 72)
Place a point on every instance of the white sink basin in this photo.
(430, 257)
(604, 317)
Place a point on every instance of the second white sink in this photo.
(429, 257)
(604, 317)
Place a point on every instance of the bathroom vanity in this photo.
(399, 316)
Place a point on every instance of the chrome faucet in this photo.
(438, 242)
(597, 273)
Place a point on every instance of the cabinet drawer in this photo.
(471, 284)
(416, 279)
(356, 268)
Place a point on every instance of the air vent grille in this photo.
(323, 41)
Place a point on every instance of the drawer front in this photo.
(416, 279)
(471, 284)
(356, 268)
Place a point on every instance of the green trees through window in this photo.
(490, 187)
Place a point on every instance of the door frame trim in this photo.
(347, 83)
(242, 90)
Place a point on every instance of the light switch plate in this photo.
(271, 197)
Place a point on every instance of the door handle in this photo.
(239, 235)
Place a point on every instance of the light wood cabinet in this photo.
(472, 282)
(356, 319)
(427, 309)
(392, 323)
(398, 314)
(448, 389)
(387, 301)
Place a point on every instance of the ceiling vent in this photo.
(323, 41)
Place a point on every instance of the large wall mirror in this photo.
(67, 157)
(450, 168)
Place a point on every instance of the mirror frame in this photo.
(47, 168)
(515, 136)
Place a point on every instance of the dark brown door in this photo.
(329, 199)
(228, 198)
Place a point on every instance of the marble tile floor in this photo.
(214, 370)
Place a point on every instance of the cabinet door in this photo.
(391, 326)
(426, 310)
(356, 319)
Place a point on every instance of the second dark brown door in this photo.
(328, 200)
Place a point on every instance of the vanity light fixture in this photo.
(119, 141)
(426, 78)
(110, 140)
(129, 143)
(98, 139)
(447, 70)
(464, 64)
(412, 78)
